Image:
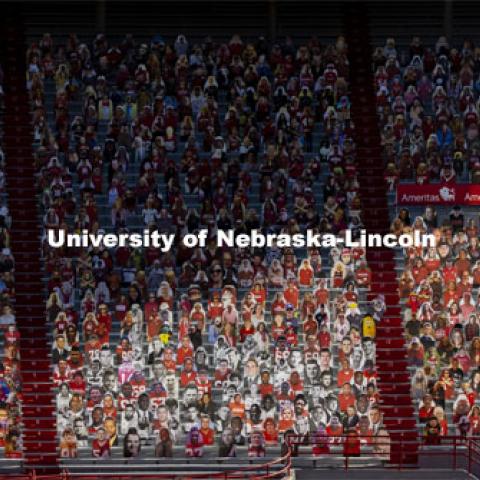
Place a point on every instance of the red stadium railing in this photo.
(463, 451)
(466, 450)
(474, 456)
(264, 471)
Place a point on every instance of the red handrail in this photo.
(297, 445)
(473, 454)
(226, 475)
(401, 446)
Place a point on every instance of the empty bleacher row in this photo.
(217, 19)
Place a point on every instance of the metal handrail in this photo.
(226, 475)
(467, 448)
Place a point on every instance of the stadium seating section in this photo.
(427, 104)
(176, 137)
(222, 352)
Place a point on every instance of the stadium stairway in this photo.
(39, 440)
(392, 366)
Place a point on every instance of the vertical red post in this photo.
(454, 453)
(469, 456)
(401, 454)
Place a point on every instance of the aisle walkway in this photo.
(392, 366)
(38, 402)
